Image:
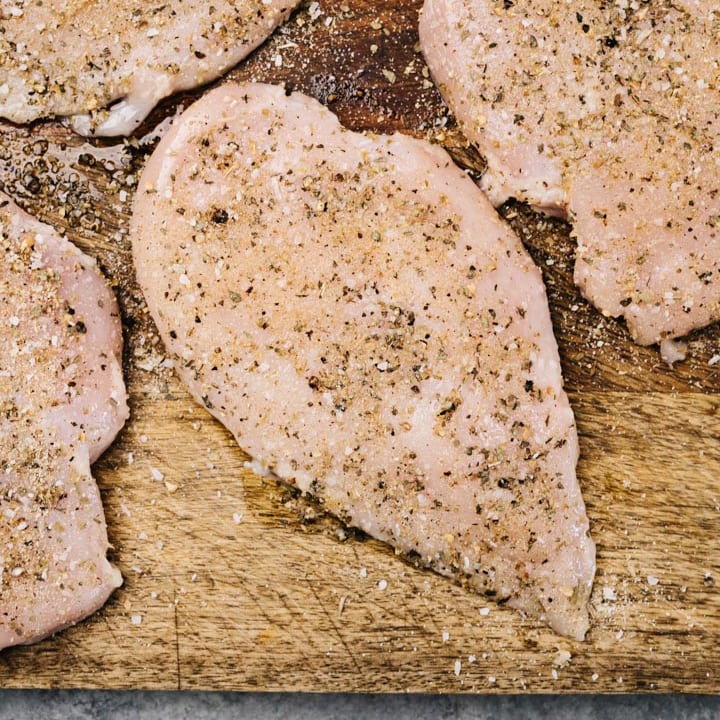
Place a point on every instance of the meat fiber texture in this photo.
(62, 401)
(355, 312)
(607, 114)
(78, 57)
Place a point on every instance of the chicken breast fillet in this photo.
(62, 401)
(355, 312)
(608, 114)
(77, 57)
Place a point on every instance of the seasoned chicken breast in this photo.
(62, 401)
(108, 64)
(356, 313)
(608, 114)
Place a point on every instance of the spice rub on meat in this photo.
(607, 113)
(62, 401)
(76, 57)
(353, 309)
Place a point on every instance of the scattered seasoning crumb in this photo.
(130, 458)
(471, 659)
(382, 585)
(237, 518)
(609, 593)
(492, 679)
(170, 487)
(143, 438)
(341, 604)
(554, 674)
(389, 75)
(619, 634)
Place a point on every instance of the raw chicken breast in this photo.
(355, 312)
(608, 114)
(76, 57)
(62, 401)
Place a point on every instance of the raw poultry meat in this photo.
(607, 114)
(108, 64)
(353, 309)
(62, 401)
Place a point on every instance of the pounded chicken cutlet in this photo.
(355, 312)
(607, 114)
(62, 401)
(77, 57)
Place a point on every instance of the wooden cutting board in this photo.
(233, 583)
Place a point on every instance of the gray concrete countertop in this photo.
(74, 705)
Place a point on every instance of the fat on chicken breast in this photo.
(62, 401)
(355, 312)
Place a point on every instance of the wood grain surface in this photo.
(232, 582)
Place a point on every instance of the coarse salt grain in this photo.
(136, 619)
(237, 518)
(363, 573)
(156, 474)
(382, 585)
(314, 10)
(458, 668)
(485, 611)
(445, 636)
(652, 580)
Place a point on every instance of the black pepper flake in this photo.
(220, 216)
